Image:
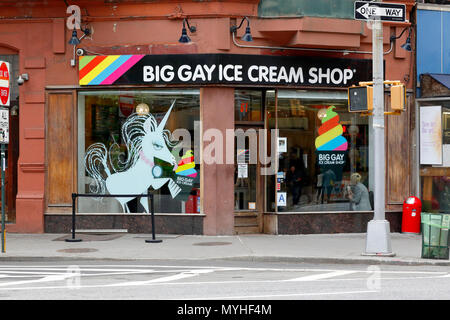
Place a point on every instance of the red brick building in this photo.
(60, 115)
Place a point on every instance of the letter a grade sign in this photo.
(380, 11)
(4, 84)
(281, 199)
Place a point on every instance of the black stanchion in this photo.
(74, 197)
(152, 210)
(149, 195)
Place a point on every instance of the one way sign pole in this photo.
(380, 11)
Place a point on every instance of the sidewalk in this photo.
(317, 248)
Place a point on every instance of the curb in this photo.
(269, 259)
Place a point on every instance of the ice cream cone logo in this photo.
(186, 166)
(330, 132)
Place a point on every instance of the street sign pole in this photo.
(378, 238)
(2, 160)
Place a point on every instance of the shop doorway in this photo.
(248, 181)
(248, 185)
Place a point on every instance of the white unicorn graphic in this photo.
(145, 140)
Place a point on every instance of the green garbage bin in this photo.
(435, 235)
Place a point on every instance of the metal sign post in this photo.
(4, 139)
(2, 160)
(4, 132)
(378, 240)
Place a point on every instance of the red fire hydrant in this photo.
(412, 207)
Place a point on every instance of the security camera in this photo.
(80, 52)
(22, 78)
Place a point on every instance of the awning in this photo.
(442, 78)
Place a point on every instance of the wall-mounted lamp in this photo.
(184, 37)
(247, 35)
(22, 78)
(75, 41)
(407, 45)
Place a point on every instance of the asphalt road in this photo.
(219, 280)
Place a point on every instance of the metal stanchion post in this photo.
(74, 196)
(152, 209)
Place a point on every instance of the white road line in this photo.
(321, 276)
(179, 276)
(44, 279)
(283, 295)
(177, 268)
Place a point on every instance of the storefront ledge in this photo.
(331, 222)
(328, 212)
(122, 214)
(165, 223)
(321, 212)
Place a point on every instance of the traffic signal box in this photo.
(360, 98)
(398, 97)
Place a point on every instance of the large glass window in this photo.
(323, 153)
(299, 8)
(434, 149)
(131, 142)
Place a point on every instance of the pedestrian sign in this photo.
(4, 126)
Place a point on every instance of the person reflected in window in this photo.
(328, 181)
(294, 179)
(358, 194)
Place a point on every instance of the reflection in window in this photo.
(121, 151)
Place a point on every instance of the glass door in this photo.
(248, 186)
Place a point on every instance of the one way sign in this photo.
(380, 11)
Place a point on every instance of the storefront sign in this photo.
(4, 84)
(431, 135)
(281, 199)
(222, 69)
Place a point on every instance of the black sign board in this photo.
(233, 69)
(379, 11)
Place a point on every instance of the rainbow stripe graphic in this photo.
(105, 70)
(330, 133)
(186, 166)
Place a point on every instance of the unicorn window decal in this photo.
(148, 164)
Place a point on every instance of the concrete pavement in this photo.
(315, 248)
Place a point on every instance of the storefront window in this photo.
(434, 126)
(131, 142)
(323, 153)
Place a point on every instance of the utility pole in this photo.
(378, 240)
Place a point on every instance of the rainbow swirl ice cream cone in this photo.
(186, 177)
(330, 133)
(186, 166)
(331, 145)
